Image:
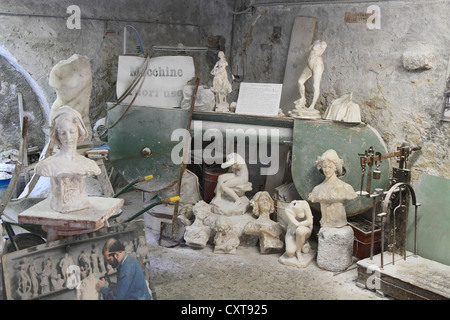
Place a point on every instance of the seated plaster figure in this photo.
(221, 86)
(197, 234)
(226, 239)
(343, 109)
(268, 231)
(67, 169)
(299, 229)
(332, 192)
(314, 68)
(230, 191)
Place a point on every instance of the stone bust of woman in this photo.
(67, 169)
(332, 192)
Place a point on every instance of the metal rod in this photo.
(415, 229)
(124, 40)
(383, 216)
(372, 235)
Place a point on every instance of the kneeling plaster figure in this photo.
(300, 223)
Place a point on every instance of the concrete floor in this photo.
(183, 273)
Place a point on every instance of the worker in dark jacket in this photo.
(131, 284)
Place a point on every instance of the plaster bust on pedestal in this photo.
(332, 192)
(67, 169)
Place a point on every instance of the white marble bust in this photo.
(67, 169)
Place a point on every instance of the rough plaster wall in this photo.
(13, 82)
(404, 106)
(36, 34)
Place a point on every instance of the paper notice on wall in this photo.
(261, 99)
(164, 80)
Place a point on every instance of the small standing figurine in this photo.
(332, 192)
(314, 67)
(67, 169)
(226, 239)
(221, 85)
(24, 287)
(64, 264)
(268, 231)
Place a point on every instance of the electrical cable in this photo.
(137, 34)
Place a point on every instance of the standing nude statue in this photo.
(314, 68)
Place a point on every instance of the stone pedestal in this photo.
(58, 224)
(335, 248)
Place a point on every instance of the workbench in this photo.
(151, 128)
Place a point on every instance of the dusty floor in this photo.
(182, 273)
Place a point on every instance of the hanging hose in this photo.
(165, 201)
(132, 183)
(139, 38)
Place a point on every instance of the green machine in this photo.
(142, 143)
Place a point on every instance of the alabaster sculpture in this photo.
(197, 234)
(314, 68)
(300, 223)
(221, 85)
(226, 239)
(268, 231)
(332, 192)
(72, 80)
(230, 191)
(67, 169)
(343, 109)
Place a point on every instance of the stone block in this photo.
(335, 248)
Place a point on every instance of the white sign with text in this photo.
(261, 99)
(164, 80)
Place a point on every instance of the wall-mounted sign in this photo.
(164, 80)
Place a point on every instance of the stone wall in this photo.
(403, 102)
(36, 35)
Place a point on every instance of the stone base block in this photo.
(335, 248)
